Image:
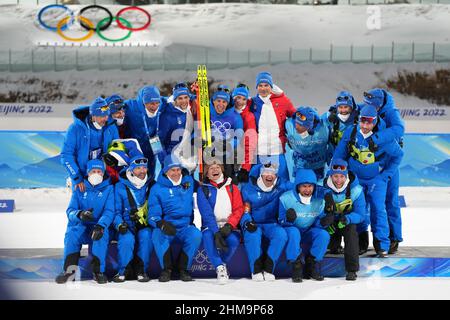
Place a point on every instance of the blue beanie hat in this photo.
(338, 166)
(375, 97)
(99, 108)
(240, 91)
(170, 162)
(150, 94)
(95, 164)
(344, 98)
(136, 162)
(264, 77)
(304, 116)
(368, 111)
(115, 103)
(220, 94)
(180, 89)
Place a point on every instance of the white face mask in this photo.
(137, 182)
(343, 117)
(366, 135)
(305, 200)
(304, 134)
(96, 125)
(176, 183)
(119, 121)
(151, 114)
(95, 179)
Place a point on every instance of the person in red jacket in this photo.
(221, 209)
(242, 104)
(271, 108)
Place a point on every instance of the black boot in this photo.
(165, 275)
(72, 263)
(297, 271)
(351, 276)
(100, 278)
(313, 269)
(377, 246)
(185, 276)
(382, 254)
(393, 248)
(363, 242)
(141, 275)
(183, 267)
(118, 278)
(63, 277)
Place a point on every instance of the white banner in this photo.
(40, 110)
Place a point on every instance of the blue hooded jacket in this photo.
(264, 205)
(307, 215)
(171, 203)
(222, 123)
(100, 198)
(76, 148)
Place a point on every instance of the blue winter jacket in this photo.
(75, 151)
(171, 203)
(358, 212)
(221, 124)
(308, 215)
(123, 206)
(342, 125)
(100, 198)
(388, 156)
(264, 205)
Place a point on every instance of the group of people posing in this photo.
(276, 177)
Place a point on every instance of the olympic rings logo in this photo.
(222, 127)
(104, 24)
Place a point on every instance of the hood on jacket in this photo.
(81, 113)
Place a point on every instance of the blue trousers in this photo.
(313, 240)
(375, 193)
(126, 244)
(217, 257)
(189, 236)
(253, 243)
(393, 207)
(280, 159)
(77, 235)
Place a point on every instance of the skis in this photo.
(203, 116)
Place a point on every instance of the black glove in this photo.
(251, 226)
(86, 215)
(243, 175)
(220, 242)
(97, 233)
(332, 117)
(167, 227)
(226, 230)
(123, 228)
(133, 216)
(330, 206)
(110, 160)
(291, 215)
(327, 220)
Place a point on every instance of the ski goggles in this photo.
(369, 120)
(343, 98)
(104, 108)
(223, 88)
(180, 85)
(117, 146)
(117, 105)
(243, 85)
(300, 116)
(140, 161)
(368, 95)
(339, 167)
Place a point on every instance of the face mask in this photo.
(151, 114)
(96, 125)
(95, 179)
(304, 134)
(305, 200)
(137, 182)
(176, 183)
(343, 117)
(119, 121)
(366, 135)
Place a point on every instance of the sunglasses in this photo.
(223, 88)
(104, 108)
(367, 119)
(271, 165)
(140, 161)
(300, 116)
(339, 167)
(368, 95)
(343, 98)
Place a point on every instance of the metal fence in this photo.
(187, 58)
(146, 2)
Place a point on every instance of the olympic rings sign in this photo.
(104, 24)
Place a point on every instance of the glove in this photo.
(133, 216)
(243, 175)
(110, 160)
(220, 241)
(251, 226)
(332, 117)
(327, 220)
(330, 206)
(291, 215)
(123, 228)
(331, 229)
(97, 233)
(167, 227)
(342, 222)
(226, 230)
(86, 215)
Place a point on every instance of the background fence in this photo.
(187, 58)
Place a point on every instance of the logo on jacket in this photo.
(100, 194)
(259, 195)
(171, 192)
(179, 121)
(222, 127)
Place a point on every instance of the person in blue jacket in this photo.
(308, 137)
(348, 205)
(301, 212)
(89, 214)
(87, 138)
(395, 129)
(261, 197)
(117, 109)
(142, 118)
(130, 222)
(374, 165)
(171, 214)
(340, 116)
(227, 129)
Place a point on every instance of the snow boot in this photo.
(393, 248)
(297, 271)
(118, 278)
(313, 269)
(258, 277)
(351, 276)
(100, 278)
(185, 276)
(63, 277)
(222, 274)
(165, 275)
(363, 242)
